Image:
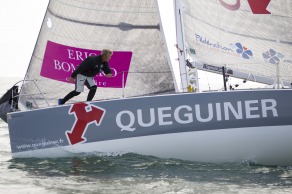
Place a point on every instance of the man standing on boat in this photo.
(85, 72)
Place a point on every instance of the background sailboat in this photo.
(252, 38)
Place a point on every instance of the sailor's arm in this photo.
(108, 75)
(106, 69)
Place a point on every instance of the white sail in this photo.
(85, 27)
(253, 37)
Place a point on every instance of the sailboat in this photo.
(151, 105)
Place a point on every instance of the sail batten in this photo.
(122, 25)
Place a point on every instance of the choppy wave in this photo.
(133, 173)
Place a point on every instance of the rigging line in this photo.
(239, 34)
(30, 61)
(122, 26)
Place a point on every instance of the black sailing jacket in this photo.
(91, 66)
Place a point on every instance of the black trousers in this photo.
(91, 93)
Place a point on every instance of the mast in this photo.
(167, 29)
(188, 73)
(181, 49)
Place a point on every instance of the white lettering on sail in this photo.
(64, 66)
(78, 55)
(113, 70)
(69, 67)
(70, 54)
(57, 65)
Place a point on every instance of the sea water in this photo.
(132, 173)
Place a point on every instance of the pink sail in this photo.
(61, 60)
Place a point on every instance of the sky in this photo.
(20, 25)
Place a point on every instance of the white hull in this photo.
(264, 145)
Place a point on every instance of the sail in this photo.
(73, 30)
(252, 36)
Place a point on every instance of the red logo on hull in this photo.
(85, 114)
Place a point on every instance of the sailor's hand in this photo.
(108, 75)
(71, 80)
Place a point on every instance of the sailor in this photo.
(85, 72)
